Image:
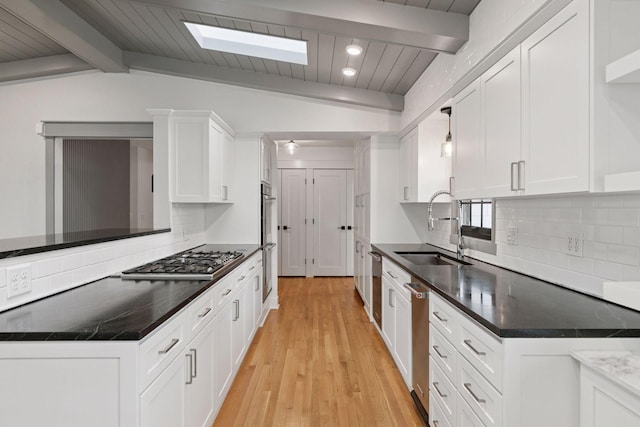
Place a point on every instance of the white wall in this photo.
(125, 97)
(316, 158)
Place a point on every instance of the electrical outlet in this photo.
(18, 280)
(574, 243)
(512, 235)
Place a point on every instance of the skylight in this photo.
(250, 44)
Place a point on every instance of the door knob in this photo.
(342, 227)
(286, 227)
(349, 227)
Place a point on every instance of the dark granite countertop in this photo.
(52, 242)
(110, 308)
(513, 305)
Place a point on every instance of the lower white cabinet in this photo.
(396, 318)
(163, 403)
(223, 365)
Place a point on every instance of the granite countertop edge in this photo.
(618, 366)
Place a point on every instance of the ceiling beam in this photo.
(262, 81)
(40, 67)
(365, 19)
(60, 24)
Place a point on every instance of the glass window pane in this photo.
(487, 215)
(476, 219)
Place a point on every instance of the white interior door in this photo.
(292, 226)
(330, 222)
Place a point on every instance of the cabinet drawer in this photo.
(444, 318)
(444, 353)
(437, 417)
(482, 350)
(158, 350)
(466, 416)
(398, 277)
(224, 291)
(442, 390)
(485, 400)
(200, 312)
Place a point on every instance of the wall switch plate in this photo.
(574, 243)
(18, 280)
(512, 235)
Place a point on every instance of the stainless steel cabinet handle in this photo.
(257, 283)
(241, 278)
(227, 292)
(391, 298)
(479, 353)
(195, 363)
(435, 423)
(404, 193)
(521, 175)
(451, 183)
(253, 267)
(170, 346)
(442, 356)
(435, 385)
(190, 380)
(237, 304)
(375, 256)
(476, 398)
(437, 316)
(514, 173)
(357, 246)
(392, 275)
(204, 313)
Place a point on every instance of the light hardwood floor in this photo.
(318, 361)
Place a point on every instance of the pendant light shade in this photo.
(291, 146)
(446, 148)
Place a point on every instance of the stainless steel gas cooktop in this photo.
(188, 265)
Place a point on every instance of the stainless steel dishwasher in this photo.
(420, 345)
(376, 281)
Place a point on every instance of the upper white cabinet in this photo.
(555, 104)
(466, 146)
(266, 157)
(543, 120)
(422, 170)
(201, 158)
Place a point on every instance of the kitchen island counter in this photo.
(110, 308)
(513, 305)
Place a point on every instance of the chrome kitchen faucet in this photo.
(431, 220)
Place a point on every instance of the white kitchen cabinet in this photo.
(163, 403)
(402, 345)
(555, 104)
(422, 170)
(604, 403)
(388, 313)
(467, 148)
(223, 364)
(201, 158)
(200, 397)
(501, 127)
(265, 160)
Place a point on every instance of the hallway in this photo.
(318, 361)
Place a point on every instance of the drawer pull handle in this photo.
(437, 316)
(170, 346)
(190, 380)
(392, 275)
(435, 423)
(241, 278)
(442, 356)
(391, 298)
(204, 313)
(227, 292)
(479, 353)
(476, 398)
(195, 363)
(253, 267)
(435, 385)
(237, 314)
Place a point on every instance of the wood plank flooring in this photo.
(318, 361)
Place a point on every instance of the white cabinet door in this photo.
(402, 344)
(467, 169)
(409, 166)
(162, 404)
(555, 103)
(223, 361)
(388, 313)
(501, 126)
(265, 160)
(330, 222)
(256, 283)
(227, 167)
(238, 339)
(200, 398)
(293, 240)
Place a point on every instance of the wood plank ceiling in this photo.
(153, 32)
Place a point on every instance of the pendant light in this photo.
(446, 148)
(291, 146)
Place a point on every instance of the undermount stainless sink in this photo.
(430, 258)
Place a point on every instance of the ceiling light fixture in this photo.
(354, 49)
(250, 44)
(291, 146)
(446, 148)
(349, 72)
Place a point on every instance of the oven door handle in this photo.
(269, 246)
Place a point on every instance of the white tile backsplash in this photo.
(610, 225)
(57, 271)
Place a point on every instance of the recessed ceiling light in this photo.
(349, 72)
(354, 49)
(250, 44)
